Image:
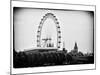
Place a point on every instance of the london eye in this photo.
(40, 27)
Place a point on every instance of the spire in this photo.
(63, 44)
(75, 47)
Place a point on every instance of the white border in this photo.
(51, 6)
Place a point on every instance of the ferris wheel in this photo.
(53, 17)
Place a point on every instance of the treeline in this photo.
(33, 59)
(48, 58)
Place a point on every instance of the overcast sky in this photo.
(76, 26)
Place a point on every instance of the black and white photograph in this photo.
(45, 37)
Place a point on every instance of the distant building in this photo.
(75, 50)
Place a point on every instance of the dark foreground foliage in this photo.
(35, 59)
